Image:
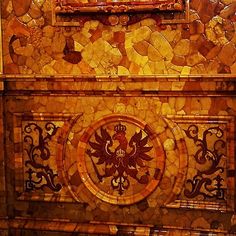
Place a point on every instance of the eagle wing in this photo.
(138, 155)
(101, 148)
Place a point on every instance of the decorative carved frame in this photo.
(229, 204)
(19, 163)
(75, 13)
(65, 6)
(228, 121)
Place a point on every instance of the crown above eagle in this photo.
(119, 128)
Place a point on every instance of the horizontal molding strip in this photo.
(100, 228)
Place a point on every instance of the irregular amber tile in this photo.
(21, 7)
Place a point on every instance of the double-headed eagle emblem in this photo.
(119, 163)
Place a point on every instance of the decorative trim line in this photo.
(114, 78)
(100, 228)
(1, 49)
(127, 86)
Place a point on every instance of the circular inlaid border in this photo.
(120, 200)
(183, 160)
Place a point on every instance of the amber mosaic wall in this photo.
(3, 204)
(118, 124)
(33, 46)
(89, 158)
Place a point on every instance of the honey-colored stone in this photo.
(171, 35)
(233, 68)
(200, 223)
(123, 70)
(180, 102)
(213, 52)
(186, 70)
(21, 7)
(169, 144)
(178, 60)
(46, 42)
(205, 30)
(142, 33)
(62, 65)
(228, 10)
(25, 51)
(39, 3)
(48, 31)
(142, 48)
(227, 55)
(136, 58)
(34, 11)
(197, 27)
(58, 42)
(154, 54)
(166, 109)
(210, 6)
(165, 183)
(162, 46)
(182, 47)
(195, 59)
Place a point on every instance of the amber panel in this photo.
(84, 134)
(211, 155)
(119, 45)
(119, 159)
(36, 147)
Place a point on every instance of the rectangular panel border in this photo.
(230, 203)
(18, 118)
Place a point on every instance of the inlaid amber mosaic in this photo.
(119, 45)
(35, 156)
(183, 135)
(210, 149)
(125, 157)
(120, 159)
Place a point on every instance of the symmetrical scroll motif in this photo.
(208, 181)
(40, 175)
